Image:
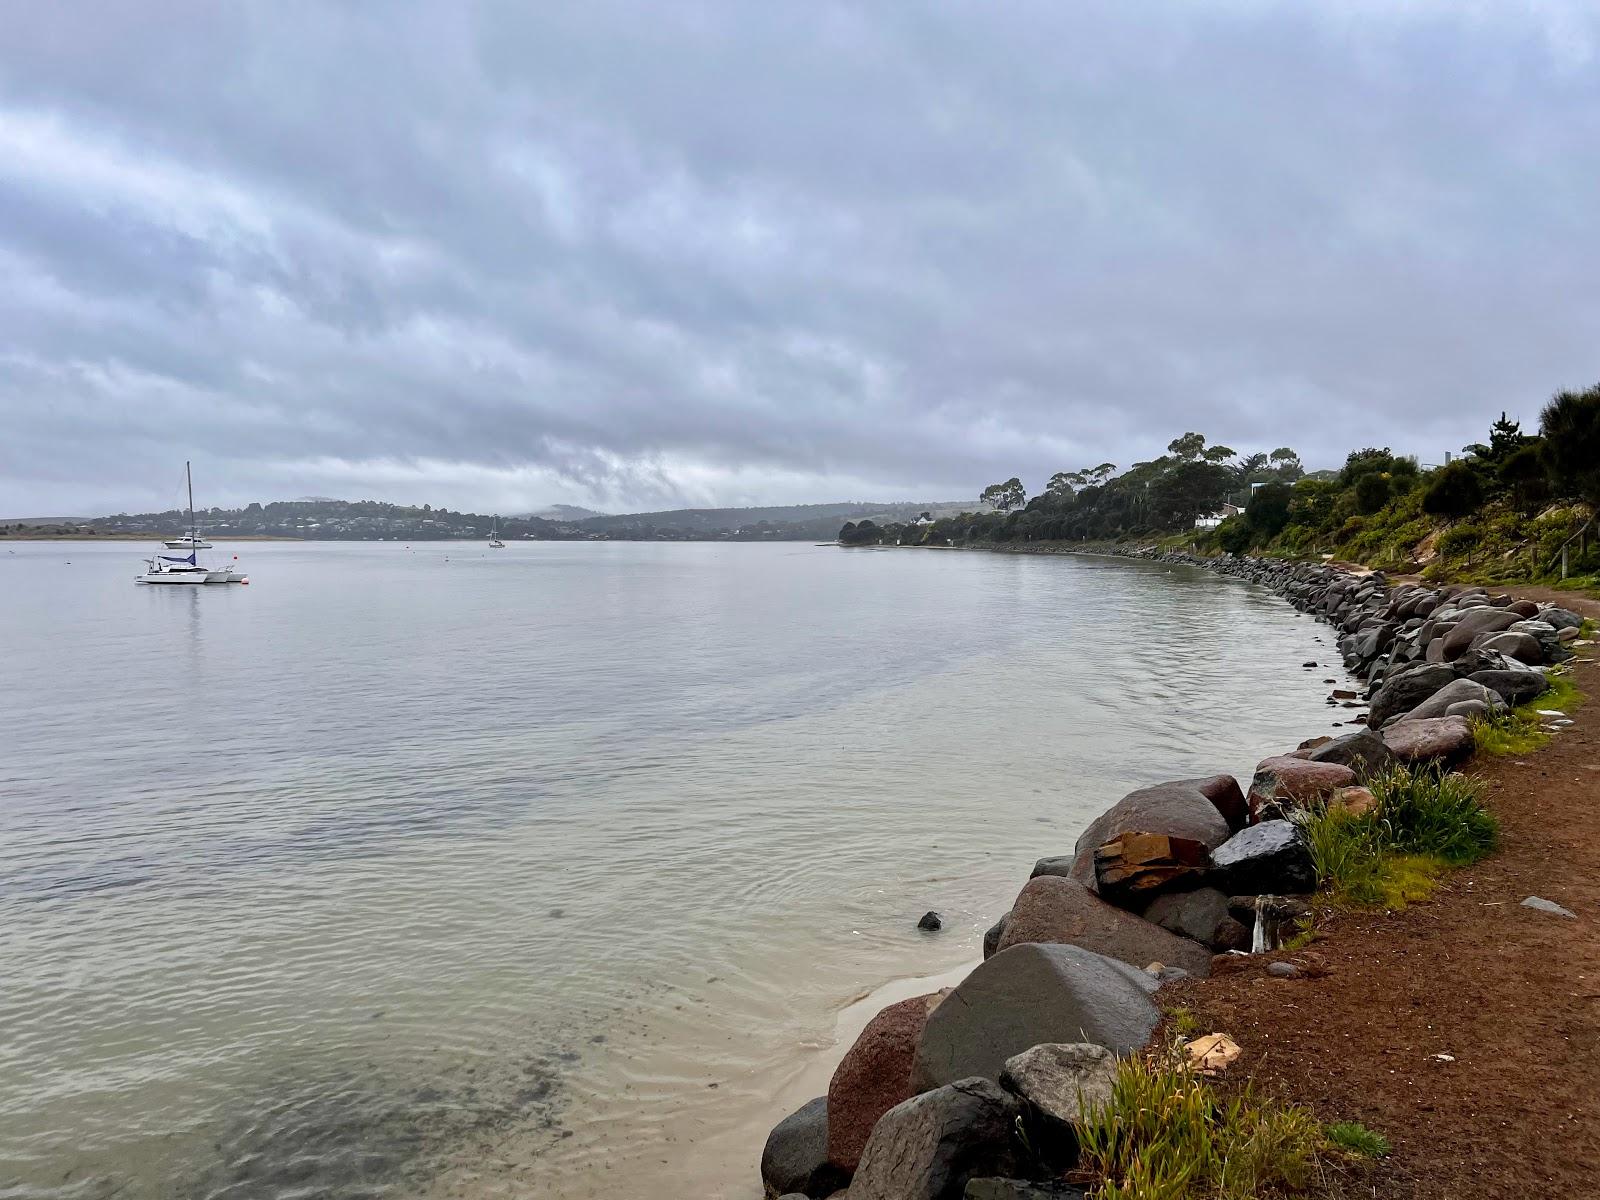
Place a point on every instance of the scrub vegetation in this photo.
(1167, 1134)
(1509, 510)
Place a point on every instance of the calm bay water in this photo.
(543, 871)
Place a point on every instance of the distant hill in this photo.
(375, 520)
(792, 522)
(564, 512)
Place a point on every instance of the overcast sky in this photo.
(642, 255)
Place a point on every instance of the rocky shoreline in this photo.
(1169, 882)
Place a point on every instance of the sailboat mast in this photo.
(189, 479)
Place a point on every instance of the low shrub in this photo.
(1165, 1134)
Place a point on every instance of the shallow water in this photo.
(543, 871)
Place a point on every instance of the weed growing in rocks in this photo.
(1165, 1134)
(1356, 1138)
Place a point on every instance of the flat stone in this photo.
(1053, 910)
(1283, 970)
(1548, 906)
(1442, 739)
(1132, 867)
(1025, 996)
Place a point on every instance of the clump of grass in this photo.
(1440, 814)
(1166, 1135)
(1519, 731)
(1425, 820)
(1184, 1022)
(1506, 733)
(1356, 1138)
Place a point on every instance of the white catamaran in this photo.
(171, 569)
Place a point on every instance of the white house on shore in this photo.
(1218, 517)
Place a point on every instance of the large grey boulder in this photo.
(1472, 623)
(1202, 915)
(1050, 909)
(1406, 688)
(1514, 687)
(1445, 739)
(1060, 1081)
(1454, 692)
(1560, 618)
(1546, 636)
(1523, 647)
(795, 1158)
(1267, 859)
(1176, 809)
(1363, 752)
(1027, 995)
(930, 1146)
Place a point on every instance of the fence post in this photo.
(1563, 562)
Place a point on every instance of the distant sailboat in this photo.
(192, 540)
(494, 535)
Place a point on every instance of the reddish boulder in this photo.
(1136, 866)
(1051, 909)
(874, 1076)
(1175, 809)
(1283, 783)
(1429, 739)
(1224, 792)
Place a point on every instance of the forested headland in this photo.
(1515, 507)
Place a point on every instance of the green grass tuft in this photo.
(1184, 1022)
(1439, 814)
(1393, 856)
(1518, 731)
(1165, 1134)
(1358, 1139)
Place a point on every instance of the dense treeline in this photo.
(1505, 509)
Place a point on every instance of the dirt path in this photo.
(1466, 1030)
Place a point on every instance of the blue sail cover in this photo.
(172, 558)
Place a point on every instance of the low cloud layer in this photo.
(496, 255)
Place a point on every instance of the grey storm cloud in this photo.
(494, 255)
